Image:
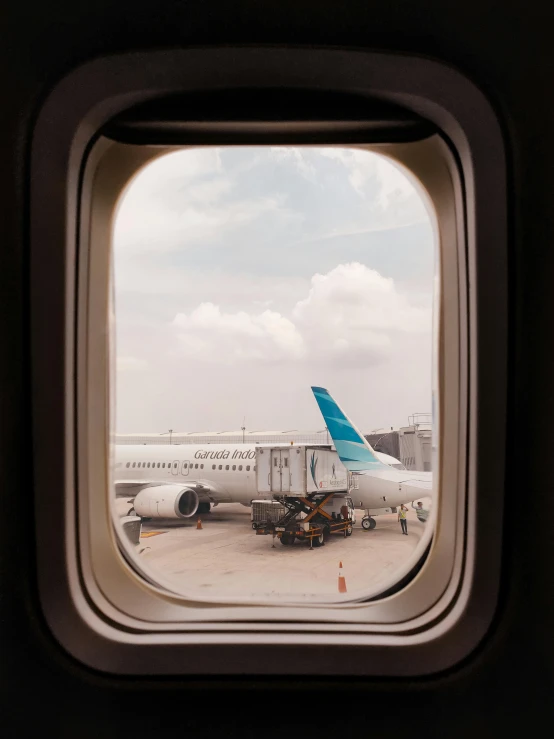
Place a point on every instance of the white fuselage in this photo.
(227, 470)
(389, 487)
(229, 473)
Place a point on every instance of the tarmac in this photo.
(226, 557)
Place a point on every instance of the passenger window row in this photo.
(233, 467)
(148, 464)
(186, 465)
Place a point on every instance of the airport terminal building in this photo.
(411, 444)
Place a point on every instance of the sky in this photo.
(244, 275)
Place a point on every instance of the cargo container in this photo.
(299, 470)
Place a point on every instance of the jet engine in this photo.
(166, 501)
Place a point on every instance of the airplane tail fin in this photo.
(353, 449)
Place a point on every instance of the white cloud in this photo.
(211, 335)
(177, 168)
(218, 305)
(351, 314)
(295, 156)
(355, 296)
(179, 199)
(386, 184)
(151, 226)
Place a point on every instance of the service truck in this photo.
(309, 490)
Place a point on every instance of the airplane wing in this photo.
(131, 488)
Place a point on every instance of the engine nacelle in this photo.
(166, 501)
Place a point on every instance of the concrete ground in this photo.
(227, 558)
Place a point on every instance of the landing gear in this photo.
(368, 523)
(203, 508)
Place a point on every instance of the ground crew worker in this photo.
(402, 518)
(421, 512)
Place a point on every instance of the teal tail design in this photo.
(354, 451)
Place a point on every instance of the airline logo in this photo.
(313, 468)
(225, 454)
(332, 481)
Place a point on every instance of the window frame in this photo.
(107, 639)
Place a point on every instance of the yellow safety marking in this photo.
(317, 507)
(151, 533)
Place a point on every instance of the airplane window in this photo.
(322, 310)
(134, 464)
(326, 268)
(128, 464)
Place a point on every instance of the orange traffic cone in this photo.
(342, 580)
(199, 524)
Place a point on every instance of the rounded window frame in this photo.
(82, 614)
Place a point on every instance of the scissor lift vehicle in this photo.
(312, 517)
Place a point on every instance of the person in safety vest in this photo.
(421, 512)
(402, 518)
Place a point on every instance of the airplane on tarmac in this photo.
(179, 481)
(376, 484)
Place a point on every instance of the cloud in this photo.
(352, 314)
(209, 334)
(387, 185)
(183, 198)
(217, 298)
(293, 155)
(355, 296)
(172, 226)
